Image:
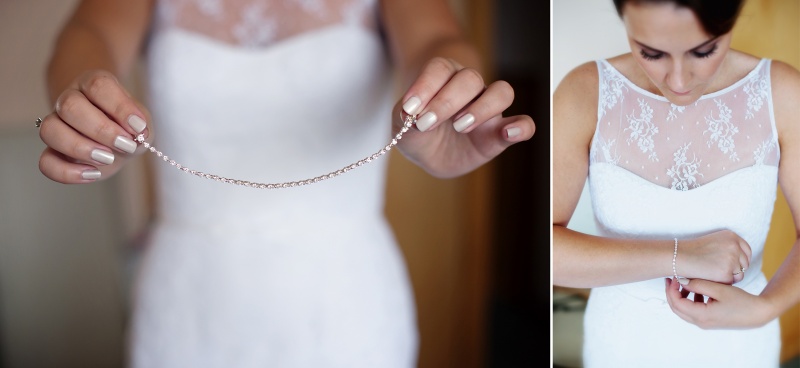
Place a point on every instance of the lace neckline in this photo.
(654, 96)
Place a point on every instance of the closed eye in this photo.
(701, 54)
(651, 55)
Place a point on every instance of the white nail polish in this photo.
(412, 105)
(426, 121)
(125, 144)
(463, 122)
(136, 123)
(103, 156)
(90, 174)
(683, 281)
(513, 132)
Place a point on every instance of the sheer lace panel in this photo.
(259, 23)
(684, 147)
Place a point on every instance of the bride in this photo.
(271, 91)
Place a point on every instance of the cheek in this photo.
(654, 70)
(706, 70)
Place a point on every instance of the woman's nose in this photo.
(678, 77)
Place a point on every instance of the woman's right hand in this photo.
(91, 134)
(719, 256)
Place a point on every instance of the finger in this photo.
(74, 109)
(495, 99)
(464, 86)
(491, 137)
(519, 130)
(704, 287)
(672, 291)
(747, 251)
(60, 169)
(679, 305)
(738, 275)
(104, 91)
(433, 77)
(62, 138)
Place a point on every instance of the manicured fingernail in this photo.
(683, 281)
(137, 123)
(426, 121)
(103, 156)
(463, 122)
(513, 132)
(125, 144)
(412, 105)
(91, 174)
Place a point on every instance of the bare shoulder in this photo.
(785, 80)
(576, 81)
(575, 99)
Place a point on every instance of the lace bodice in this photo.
(260, 23)
(660, 171)
(684, 147)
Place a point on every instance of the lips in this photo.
(680, 93)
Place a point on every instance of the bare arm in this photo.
(420, 30)
(585, 261)
(100, 34)
(782, 291)
(460, 124)
(89, 135)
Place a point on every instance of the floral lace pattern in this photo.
(722, 132)
(611, 89)
(642, 130)
(684, 172)
(260, 23)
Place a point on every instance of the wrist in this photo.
(767, 309)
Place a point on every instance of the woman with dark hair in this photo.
(681, 141)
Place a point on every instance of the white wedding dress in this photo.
(660, 171)
(271, 91)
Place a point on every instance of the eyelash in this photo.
(647, 56)
(706, 54)
(702, 55)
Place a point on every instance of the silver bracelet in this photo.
(408, 122)
(675, 257)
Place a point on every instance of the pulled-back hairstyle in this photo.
(716, 16)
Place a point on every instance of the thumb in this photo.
(699, 286)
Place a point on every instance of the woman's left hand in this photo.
(460, 123)
(727, 307)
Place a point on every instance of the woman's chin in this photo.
(682, 99)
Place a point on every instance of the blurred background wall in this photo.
(477, 247)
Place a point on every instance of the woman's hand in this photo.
(91, 133)
(460, 124)
(727, 306)
(720, 256)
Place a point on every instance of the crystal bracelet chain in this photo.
(408, 122)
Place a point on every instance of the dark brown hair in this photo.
(716, 16)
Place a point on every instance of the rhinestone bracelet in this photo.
(408, 122)
(674, 258)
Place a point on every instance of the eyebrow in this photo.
(663, 52)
